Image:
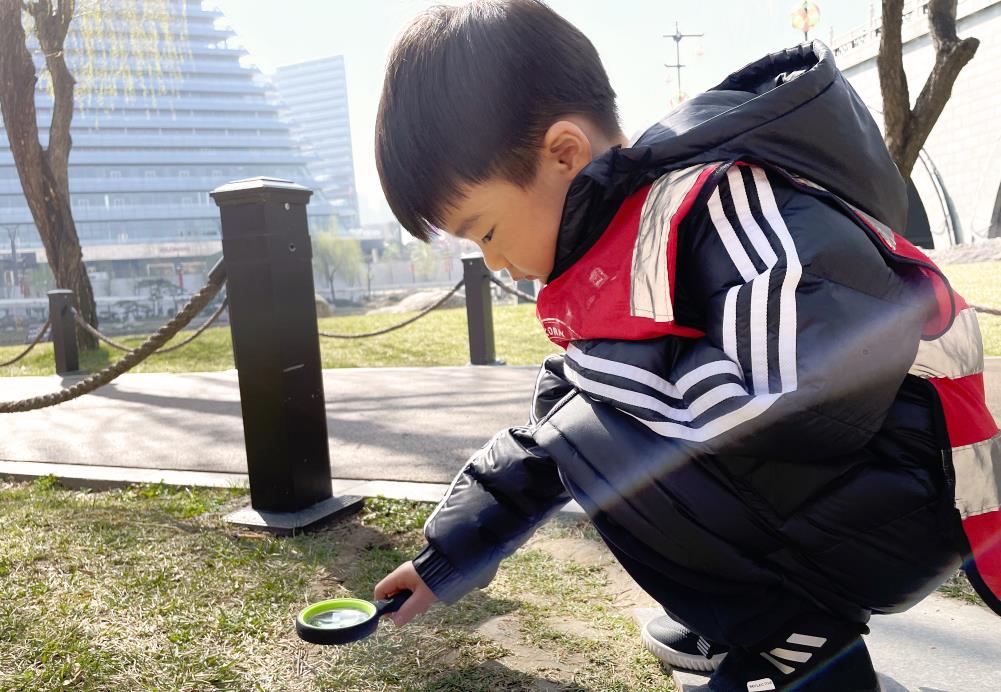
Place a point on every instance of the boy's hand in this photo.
(406, 577)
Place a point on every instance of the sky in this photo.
(628, 34)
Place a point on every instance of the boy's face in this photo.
(516, 227)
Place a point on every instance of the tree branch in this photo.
(892, 78)
(942, 22)
(951, 55)
(938, 89)
(17, 104)
(52, 26)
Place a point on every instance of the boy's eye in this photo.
(488, 236)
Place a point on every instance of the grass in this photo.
(958, 586)
(980, 284)
(146, 588)
(440, 338)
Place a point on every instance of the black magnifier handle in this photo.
(393, 603)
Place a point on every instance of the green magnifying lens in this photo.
(344, 620)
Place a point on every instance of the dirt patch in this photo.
(528, 659)
(574, 628)
(555, 669)
(621, 589)
(351, 539)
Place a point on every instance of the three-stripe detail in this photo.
(747, 190)
(792, 656)
(746, 218)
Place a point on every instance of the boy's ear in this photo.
(566, 148)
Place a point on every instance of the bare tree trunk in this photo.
(907, 128)
(44, 172)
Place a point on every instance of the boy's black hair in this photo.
(469, 94)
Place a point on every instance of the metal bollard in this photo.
(525, 286)
(64, 344)
(479, 311)
(268, 256)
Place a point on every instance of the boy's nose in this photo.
(494, 262)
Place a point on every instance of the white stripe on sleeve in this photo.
(613, 367)
(729, 237)
(730, 327)
(746, 218)
(717, 367)
(759, 333)
(794, 271)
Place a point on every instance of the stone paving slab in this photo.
(985, 250)
(940, 645)
(404, 424)
(407, 424)
(101, 477)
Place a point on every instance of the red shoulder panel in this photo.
(592, 299)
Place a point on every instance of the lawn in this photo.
(440, 338)
(980, 284)
(146, 588)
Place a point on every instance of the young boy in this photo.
(770, 406)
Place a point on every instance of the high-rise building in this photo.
(316, 98)
(143, 164)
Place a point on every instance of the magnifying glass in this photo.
(344, 620)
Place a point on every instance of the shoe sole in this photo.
(677, 659)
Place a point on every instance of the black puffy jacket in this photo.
(767, 431)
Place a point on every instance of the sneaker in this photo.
(679, 647)
(816, 655)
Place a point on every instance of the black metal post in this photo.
(64, 344)
(479, 311)
(268, 256)
(15, 284)
(525, 286)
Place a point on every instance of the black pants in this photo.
(890, 538)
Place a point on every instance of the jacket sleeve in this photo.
(495, 502)
(809, 331)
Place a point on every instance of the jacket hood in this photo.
(793, 109)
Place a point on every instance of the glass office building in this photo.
(315, 98)
(143, 164)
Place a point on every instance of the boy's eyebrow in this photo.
(466, 225)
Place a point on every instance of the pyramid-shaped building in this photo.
(143, 164)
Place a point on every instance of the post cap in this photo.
(259, 189)
(59, 292)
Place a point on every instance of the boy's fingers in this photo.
(384, 588)
(414, 606)
(390, 584)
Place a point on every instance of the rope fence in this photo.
(198, 332)
(154, 345)
(195, 305)
(86, 326)
(512, 290)
(35, 342)
(404, 323)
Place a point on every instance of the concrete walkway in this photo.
(405, 424)
(402, 424)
